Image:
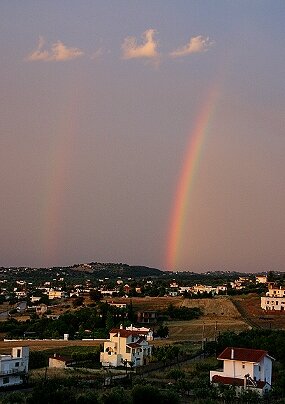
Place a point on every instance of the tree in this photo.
(78, 301)
(162, 331)
(95, 295)
(109, 321)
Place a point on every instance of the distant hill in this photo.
(111, 270)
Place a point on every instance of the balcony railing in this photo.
(13, 371)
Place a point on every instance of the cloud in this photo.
(148, 49)
(58, 52)
(196, 44)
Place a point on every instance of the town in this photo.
(179, 337)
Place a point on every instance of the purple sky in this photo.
(98, 100)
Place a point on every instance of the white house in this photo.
(128, 347)
(14, 367)
(149, 332)
(261, 279)
(272, 303)
(245, 369)
(56, 294)
(274, 299)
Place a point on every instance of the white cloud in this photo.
(148, 49)
(58, 52)
(196, 44)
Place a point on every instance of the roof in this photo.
(236, 382)
(133, 345)
(243, 354)
(126, 333)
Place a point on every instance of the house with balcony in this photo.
(126, 347)
(14, 367)
(244, 369)
(274, 299)
(147, 317)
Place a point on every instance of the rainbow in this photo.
(58, 180)
(186, 180)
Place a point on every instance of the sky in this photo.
(143, 132)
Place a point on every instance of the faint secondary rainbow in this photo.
(186, 180)
(58, 181)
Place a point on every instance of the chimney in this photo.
(232, 353)
(121, 326)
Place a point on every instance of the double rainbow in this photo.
(186, 180)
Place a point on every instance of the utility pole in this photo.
(203, 336)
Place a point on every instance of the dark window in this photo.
(5, 380)
(17, 364)
(18, 353)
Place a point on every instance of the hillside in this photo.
(112, 270)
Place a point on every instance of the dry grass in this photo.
(250, 306)
(5, 346)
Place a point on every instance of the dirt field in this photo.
(5, 346)
(250, 308)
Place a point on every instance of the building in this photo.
(274, 299)
(56, 294)
(126, 347)
(245, 369)
(14, 367)
(261, 279)
(147, 317)
(58, 361)
(149, 335)
(41, 309)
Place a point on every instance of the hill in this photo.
(112, 270)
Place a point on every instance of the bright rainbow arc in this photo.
(186, 180)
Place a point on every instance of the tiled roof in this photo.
(133, 345)
(243, 354)
(126, 333)
(236, 382)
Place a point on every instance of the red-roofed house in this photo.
(129, 346)
(245, 369)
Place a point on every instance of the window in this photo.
(6, 380)
(18, 353)
(17, 364)
(243, 365)
(128, 350)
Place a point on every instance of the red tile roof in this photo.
(126, 333)
(235, 382)
(243, 354)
